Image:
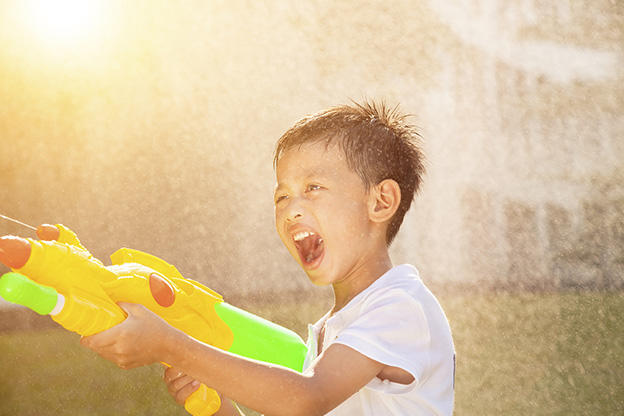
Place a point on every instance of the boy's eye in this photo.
(313, 187)
(280, 198)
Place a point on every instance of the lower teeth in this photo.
(310, 258)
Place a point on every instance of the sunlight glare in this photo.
(63, 21)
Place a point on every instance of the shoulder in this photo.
(397, 322)
(401, 291)
(398, 292)
(387, 324)
(392, 314)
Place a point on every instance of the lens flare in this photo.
(62, 22)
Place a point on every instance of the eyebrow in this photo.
(317, 174)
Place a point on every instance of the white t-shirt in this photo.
(398, 322)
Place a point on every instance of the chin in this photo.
(318, 278)
(319, 283)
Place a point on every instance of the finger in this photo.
(107, 351)
(179, 383)
(185, 392)
(103, 339)
(172, 373)
(124, 364)
(85, 342)
(130, 308)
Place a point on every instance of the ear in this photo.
(385, 199)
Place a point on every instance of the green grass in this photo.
(539, 354)
(49, 373)
(522, 354)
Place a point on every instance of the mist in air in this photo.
(152, 127)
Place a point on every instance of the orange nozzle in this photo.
(14, 251)
(48, 232)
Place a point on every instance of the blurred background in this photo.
(151, 125)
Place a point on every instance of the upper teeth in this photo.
(301, 235)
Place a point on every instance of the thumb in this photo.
(131, 309)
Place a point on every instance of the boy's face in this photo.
(321, 212)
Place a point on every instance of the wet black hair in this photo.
(377, 141)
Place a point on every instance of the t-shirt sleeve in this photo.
(391, 329)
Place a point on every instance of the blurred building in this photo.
(530, 112)
(156, 133)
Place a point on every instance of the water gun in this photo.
(57, 276)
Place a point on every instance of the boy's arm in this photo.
(144, 338)
(337, 374)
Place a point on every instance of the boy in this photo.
(345, 179)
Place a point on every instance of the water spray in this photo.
(18, 222)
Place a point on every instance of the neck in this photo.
(359, 279)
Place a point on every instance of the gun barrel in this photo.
(48, 232)
(14, 251)
(20, 290)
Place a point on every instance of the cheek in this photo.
(278, 227)
(279, 221)
(353, 226)
(277, 214)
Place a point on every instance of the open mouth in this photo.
(309, 245)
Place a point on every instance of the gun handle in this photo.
(203, 402)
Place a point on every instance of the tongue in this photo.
(310, 248)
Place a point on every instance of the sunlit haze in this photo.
(151, 125)
(62, 23)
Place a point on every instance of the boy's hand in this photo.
(179, 385)
(135, 342)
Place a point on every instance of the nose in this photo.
(294, 217)
(294, 211)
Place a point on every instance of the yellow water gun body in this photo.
(58, 276)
